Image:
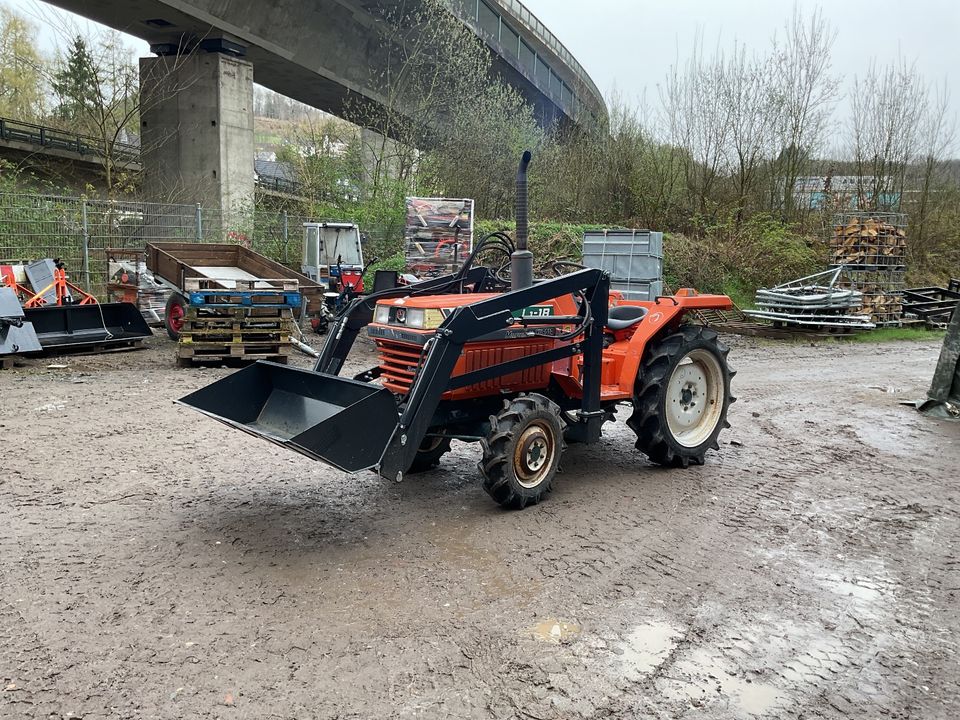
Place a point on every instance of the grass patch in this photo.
(894, 334)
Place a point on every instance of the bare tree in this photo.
(98, 81)
(748, 90)
(937, 136)
(698, 121)
(888, 107)
(806, 93)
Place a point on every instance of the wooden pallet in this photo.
(756, 329)
(222, 323)
(215, 352)
(6, 362)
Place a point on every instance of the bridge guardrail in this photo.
(520, 11)
(57, 139)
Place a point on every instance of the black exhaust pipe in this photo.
(521, 262)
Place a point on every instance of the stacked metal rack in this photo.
(812, 301)
(871, 249)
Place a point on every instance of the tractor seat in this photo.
(621, 317)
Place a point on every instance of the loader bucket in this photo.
(344, 423)
(62, 327)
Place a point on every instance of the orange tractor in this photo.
(521, 367)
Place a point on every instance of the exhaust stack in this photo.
(521, 261)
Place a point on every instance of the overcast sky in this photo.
(630, 44)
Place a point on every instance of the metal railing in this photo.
(56, 139)
(283, 186)
(520, 11)
(514, 12)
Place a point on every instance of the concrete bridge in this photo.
(320, 52)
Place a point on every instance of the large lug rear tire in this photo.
(681, 397)
(521, 455)
(429, 453)
(175, 315)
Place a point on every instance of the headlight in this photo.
(416, 318)
(382, 315)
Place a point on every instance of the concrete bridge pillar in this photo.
(196, 131)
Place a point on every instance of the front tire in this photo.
(521, 455)
(681, 397)
(429, 453)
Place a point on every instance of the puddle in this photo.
(861, 589)
(753, 697)
(555, 631)
(648, 646)
(702, 678)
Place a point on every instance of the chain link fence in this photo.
(82, 232)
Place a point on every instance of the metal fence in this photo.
(82, 232)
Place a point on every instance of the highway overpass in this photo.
(320, 52)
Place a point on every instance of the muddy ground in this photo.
(155, 564)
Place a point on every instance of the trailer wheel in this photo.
(429, 453)
(521, 454)
(175, 315)
(681, 397)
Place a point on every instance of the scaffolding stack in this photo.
(871, 248)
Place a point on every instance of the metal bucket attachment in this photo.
(17, 336)
(61, 327)
(344, 423)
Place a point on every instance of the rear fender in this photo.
(663, 317)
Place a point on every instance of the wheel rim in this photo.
(533, 456)
(695, 398)
(175, 317)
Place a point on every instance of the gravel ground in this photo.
(155, 564)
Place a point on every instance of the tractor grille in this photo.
(398, 365)
(399, 361)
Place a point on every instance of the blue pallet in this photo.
(200, 298)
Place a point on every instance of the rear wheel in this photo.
(175, 315)
(521, 454)
(429, 453)
(681, 397)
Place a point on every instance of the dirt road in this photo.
(154, 564)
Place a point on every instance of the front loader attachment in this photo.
(61, 327)
(344, 423)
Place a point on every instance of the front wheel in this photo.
(521, 455)
(429, 453)
(681, 397)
